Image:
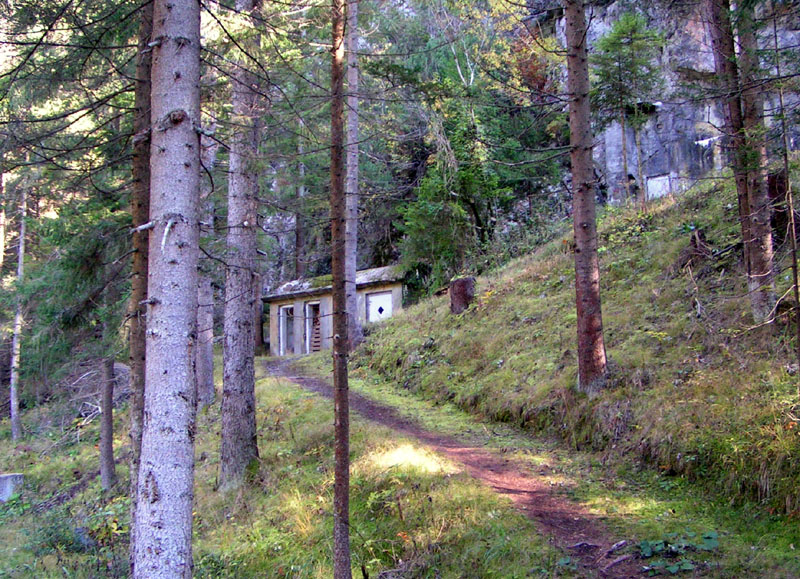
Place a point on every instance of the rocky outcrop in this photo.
(682, 139)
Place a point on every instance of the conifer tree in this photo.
(627, 76)
(238, 446)
(341, 485)
(163, 522)
(591, 346)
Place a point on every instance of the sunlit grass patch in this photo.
(408, 456)
(411, 510)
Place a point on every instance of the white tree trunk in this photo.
(163, 532)
(16, 425)
(351, 178)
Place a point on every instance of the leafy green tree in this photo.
(449, 225)
(626, 77)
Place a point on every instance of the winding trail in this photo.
(573, 529)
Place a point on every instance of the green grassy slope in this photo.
(695, 390)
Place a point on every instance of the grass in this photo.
(695, 390)
(412, 511)
(637, 504)
(414, 514)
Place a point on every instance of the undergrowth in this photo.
(413, 513)
(695, 390)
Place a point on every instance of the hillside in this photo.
(696, 391)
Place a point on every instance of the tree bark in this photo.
(300, 232)
(591, 347)
(108, 473)
(163, 532)
(341, 485)
(140, 215)
(239, 447)
(761, 283)
(723, 47)
(351, 179)
(204, 363)
(16, 424)
(462, 292)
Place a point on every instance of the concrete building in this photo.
(300, 320)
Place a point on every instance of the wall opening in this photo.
(313, 341)
(286, 330)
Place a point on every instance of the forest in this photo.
(588, 364)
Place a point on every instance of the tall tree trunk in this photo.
(16, 425)
(204, 363)
(140, 215)
(591, 347)
(723, 47)
(108, 473)
(637, 140)
(163, 533)
(626, 182)
(351, 179)
(2, 209)
(341, 408)
(239, 446)
(761, 283)
(300, 232)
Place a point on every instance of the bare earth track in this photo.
(573, 529)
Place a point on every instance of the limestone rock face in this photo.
(682, 140)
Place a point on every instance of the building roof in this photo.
(322, 285)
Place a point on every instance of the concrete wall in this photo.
(397, 298)
(326, 315)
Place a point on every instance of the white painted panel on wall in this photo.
(658, 186)
(379, 306)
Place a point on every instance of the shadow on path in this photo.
(572, 528)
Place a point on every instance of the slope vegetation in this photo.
(695, 391)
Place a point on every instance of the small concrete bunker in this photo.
(300, 320)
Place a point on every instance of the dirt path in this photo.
(574, 530)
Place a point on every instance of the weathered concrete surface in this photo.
(8, 484)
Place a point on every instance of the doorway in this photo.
(313, 329)
(286, 330)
